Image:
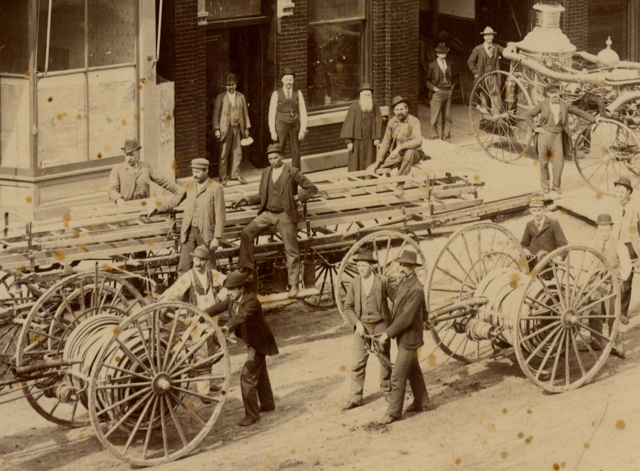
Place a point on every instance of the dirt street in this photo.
(487, 416)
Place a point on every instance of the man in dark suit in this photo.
(484, 59)
(440, 83)
(541, 235)
(278, 208)
(367, 308)
(204, 215)
(248, 323)
(407, 318)
(230, 124)
(554, 135)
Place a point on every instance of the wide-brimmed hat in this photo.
(287, 71)
(235, 279)
(408, 257)
(551, 86)
(200, 163)
(201, 252)
(604, 220)
(247, 141)
(397, 100)
(231, 79)
(365, 86)
(536, 204)
(131, 145)
(624, 181)
(442, 48)
(488, 30)
(364, 255)
(274, 148)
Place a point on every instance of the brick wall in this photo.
(574, 22)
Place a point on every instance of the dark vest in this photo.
(287, 111)
(444, 79)
(370, 312)
(274, 190)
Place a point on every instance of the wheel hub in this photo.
(161, 383)
(569, 318)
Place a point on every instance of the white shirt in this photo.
(623, 255)
(232, 99)
(625, 227)
(540, 224)
(489, 49)
(182, 285)
(443, 65)
(367, 284)
(273, 104)
(555, 109)
(276, 172)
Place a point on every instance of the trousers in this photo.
(550, 151)
(255, 385)
(194, 239)
(359, 357)
(231, 145)
(406, 368)
(441, 111)
(288, 132)
(402, 161)
(625, 295)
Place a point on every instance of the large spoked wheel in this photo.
(470, 254)
(386, 246)
(497, 113)
(159, 383)
(326, 271)
(568, 319)
(604, 152)
(51, 321)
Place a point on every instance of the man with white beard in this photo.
(362, 129)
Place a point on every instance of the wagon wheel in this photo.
(468, 256)
(326, 270)
(558, 319)
(497, 113)
(146, 400)
(386, 246)
(50, 322)
(604, 152)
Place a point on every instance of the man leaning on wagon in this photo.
(130, 180)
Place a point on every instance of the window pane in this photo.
(62, 114)
(66, 46)
(112, 32)
(326, 10)
(335, 69)
(14, 36)
(14, 123)
(219, 9)
(112, 111)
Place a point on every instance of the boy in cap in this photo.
(230, 124)
(554, 135)
(130, 180)
(367, 308)
(440, 82)
(541, 234)
(248, 322)
(204, 215)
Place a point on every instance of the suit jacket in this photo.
(248, 322)
(435, 74)
(221, 120)
(408, 313)
(131, 184)
(353, 301)
(206, 208)
(291, 177)
(479, 59)
(632, 223)
(548, 239)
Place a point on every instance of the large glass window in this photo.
(336, 51)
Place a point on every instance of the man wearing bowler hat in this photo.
(230, 124)
(541, 235)
(367, 308)
(408, 314)
(247, 321)
(130, 180)
(204, 215)
(401, 142)
(553, 135)
(440, 83)
(485, 58)
(278, 208)
(362, 129)
(626, 223)
(288, 116)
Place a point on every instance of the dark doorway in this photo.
(238, 50)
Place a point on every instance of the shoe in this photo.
(595, 346)
(205, 401)
(619, 353)
(545, 191)
(399, 190)
(247, 421)
(267, 409)
(293, 292)
(415, 408)
(351, 405)
(387, 419)
(558, 190)
(242, 180)
(624, 320)
(223, 181)
(387, 397)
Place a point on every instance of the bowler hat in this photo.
(551, 86)
(287, 71)
(131, 145)
(442, 48)
(364, 255)
(604, 220)
(488, 30)
(408, 257)
(397, 100)
(231, 79)
(536, 204)
(365, 86)
(201, 252)
(235, 279)
(274, 149)
(200, 163)
(624, 181)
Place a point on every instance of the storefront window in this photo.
(14, 36)
(336, 51)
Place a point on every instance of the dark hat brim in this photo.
(396, 103)
(363, 259)
(628, 187)
(138, 147)
(405, 261)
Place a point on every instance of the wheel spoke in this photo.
(538, 332)
(176, 422)
(542, 344)
(576, 351)
(131, 410)
(138, 423)
(132, 357)
(557, 336)
(147, 438)
(189, 411)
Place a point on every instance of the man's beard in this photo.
(366, 104)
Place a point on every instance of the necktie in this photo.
(604, 246)
(623, 211)
(288, 96)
